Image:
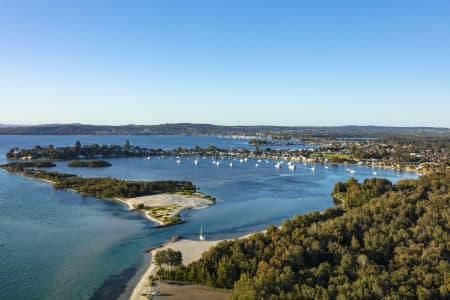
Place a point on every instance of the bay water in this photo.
(56, 244)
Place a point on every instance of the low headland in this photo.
(161, 201)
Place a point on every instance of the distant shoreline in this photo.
(197, 129)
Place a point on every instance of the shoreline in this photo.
(165, 209)
(191, 250)
(132, 208)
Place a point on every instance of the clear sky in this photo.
(225, 62)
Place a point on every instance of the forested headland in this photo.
(392, 242)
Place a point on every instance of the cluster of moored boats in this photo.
(217, 162)
(278, 165)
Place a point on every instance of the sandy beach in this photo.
(131, 207)
(161, 207)
(191, 250)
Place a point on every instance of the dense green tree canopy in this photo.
(168, 258)
(394, 243)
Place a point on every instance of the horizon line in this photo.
(219, 125)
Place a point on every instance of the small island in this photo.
(258, 142)
(161, 201)
(89, 164)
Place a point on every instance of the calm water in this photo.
(59, 245)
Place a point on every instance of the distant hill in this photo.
(8, 125)
(209, 129)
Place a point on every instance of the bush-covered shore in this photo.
(393, 242)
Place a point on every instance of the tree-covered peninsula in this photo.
(134, 193)
(392, 243)
(103, 187)
(21, 166)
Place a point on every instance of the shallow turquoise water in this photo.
(59, 245)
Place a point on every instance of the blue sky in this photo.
(225, 62)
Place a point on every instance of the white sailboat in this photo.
(201, 236)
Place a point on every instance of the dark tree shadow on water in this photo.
(115, 285)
